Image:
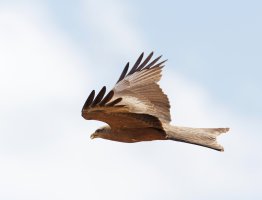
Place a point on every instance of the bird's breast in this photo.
(138, 135)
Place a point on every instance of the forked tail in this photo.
(205, 137)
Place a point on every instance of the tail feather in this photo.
(205, 137)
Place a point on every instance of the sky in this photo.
(53, 53)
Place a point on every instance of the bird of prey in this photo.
(137, 110)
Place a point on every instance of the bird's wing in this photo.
(111, 110)
(136, 101)
(139, 90)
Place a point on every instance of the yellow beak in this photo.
(92, 136)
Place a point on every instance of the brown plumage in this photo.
(137, 110)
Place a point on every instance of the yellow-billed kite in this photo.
(137, 110)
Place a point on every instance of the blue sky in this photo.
(215, 43)
(53, 53)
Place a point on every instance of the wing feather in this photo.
(136, 101)
(89, 100)
(153, 62)
(134, 68)
(116, 101)
(107, 98)
(123, 74)
(100, 96)
(142, 86)
(116, 115)
(145, 61)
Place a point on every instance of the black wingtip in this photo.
(144, 65)
(136, 63)
(99, 97)
(159, 64)
(107, 98)
(123, 74)
(116, 101)
(89, 100)
(145, 61)
(153, 62)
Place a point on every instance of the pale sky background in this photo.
(53, 53)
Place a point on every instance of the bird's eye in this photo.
(98, 130)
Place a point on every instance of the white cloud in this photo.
(30, 51)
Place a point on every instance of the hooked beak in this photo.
(92, 136)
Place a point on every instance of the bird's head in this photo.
(102, 132)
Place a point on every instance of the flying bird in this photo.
(137, 110)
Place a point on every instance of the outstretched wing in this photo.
(140, 91)
(136, 101)
(110, 110)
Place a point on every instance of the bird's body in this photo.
(131, 135)
(137, 110)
